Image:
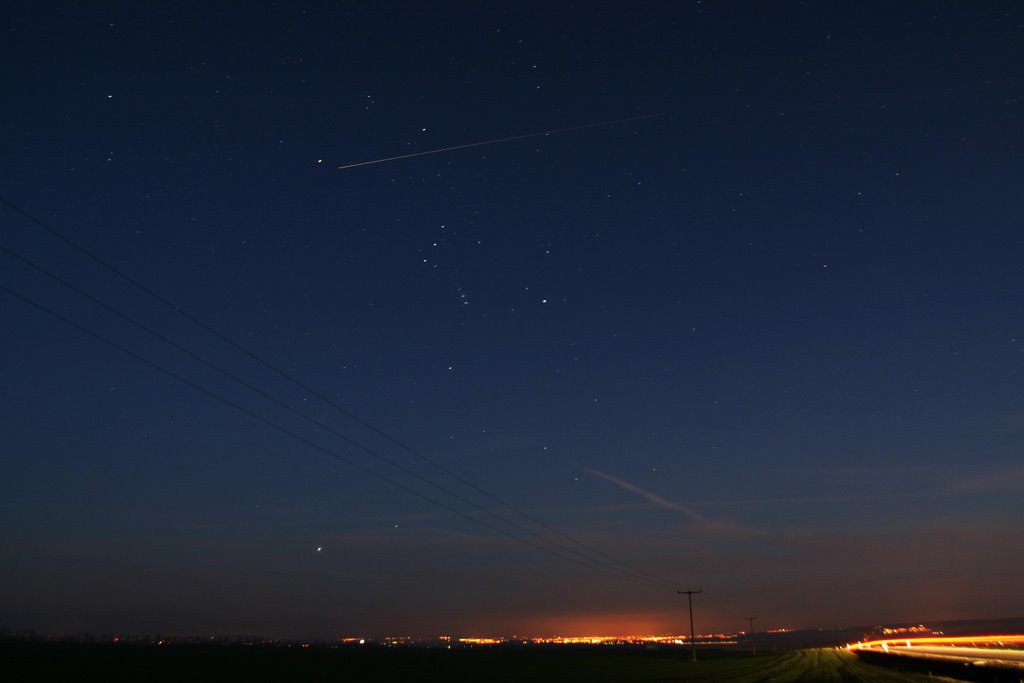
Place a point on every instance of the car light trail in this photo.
(1005, 639)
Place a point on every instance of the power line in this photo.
(352, 442)
(300, 438)
(302, 385)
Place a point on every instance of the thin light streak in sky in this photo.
(498, 140)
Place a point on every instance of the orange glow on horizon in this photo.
(701, 639)
(620, 624)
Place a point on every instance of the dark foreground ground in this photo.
(82, 662)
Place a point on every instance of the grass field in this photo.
(72, 662)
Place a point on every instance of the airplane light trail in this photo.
(498, 140)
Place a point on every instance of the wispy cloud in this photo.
(722, 527)
(653, 497)
(813, 500)
(1008, 479)
(1013, 422)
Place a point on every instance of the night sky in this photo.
(767, 342)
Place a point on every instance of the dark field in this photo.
(80, 662)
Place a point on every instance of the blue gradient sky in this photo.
(768, 343)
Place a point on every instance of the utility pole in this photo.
(689, 598)
(753, 645)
